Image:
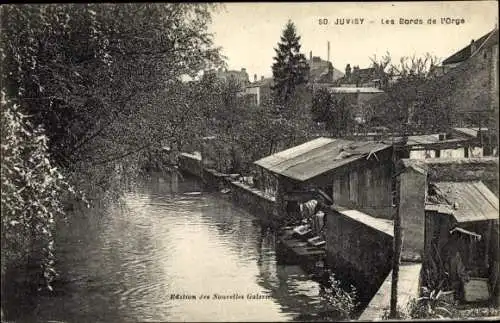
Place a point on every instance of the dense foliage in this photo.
(412, 96)
(333, 111)
(31, 194)
(91, 94)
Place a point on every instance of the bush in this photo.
(340, 303)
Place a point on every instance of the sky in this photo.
(248, 32)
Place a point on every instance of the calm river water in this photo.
(125, 264)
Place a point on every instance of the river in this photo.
(167, 239)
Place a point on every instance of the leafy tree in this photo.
(91, 75)
(290, 68)
(333, 112)
(32, 195)
(411, 95)
(100, 84)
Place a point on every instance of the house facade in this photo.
(471, 77)
(257, 91)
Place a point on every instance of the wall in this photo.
(472, 84)
(408, 289)
(253, 90)
(494, 77)
(191, 164)
(422, 154)
(255, 201)
(366, 187)
(412, 213)
(357, 251)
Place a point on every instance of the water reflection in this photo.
(124, 264)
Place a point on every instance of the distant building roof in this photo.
(471, 132)
(418, 140)
(365, 74)
(354, 90)
(318, 156)
(467, 51)
(319, 71)
(466, 201)
(360, 76)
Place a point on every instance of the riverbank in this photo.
(362, 259)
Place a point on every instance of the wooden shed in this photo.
(461, 235)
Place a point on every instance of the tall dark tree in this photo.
(290, 68)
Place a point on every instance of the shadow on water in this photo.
(169, 236)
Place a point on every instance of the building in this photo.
(449, 217)
(240, 77)
(321, 71)
(355, 174)
(257, 91)
(361, 77)
(462, 55)
(483, 138)
(443, 146)
(469, 81)
(357, 177)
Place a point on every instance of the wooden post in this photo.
(396, 254)
(398, 232)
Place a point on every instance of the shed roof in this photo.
(318, 156)
(383, 225)
(474, 201)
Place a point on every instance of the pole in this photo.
(398, 234)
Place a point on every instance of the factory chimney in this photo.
(328, 55)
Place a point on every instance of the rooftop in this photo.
(354, 90)
(466, 201)
(467, 52)
(417, 140)
(318, 156)
(383, 225)
(472, 132)
(319, 69)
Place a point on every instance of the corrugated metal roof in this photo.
(474, 201)
(318, 156)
